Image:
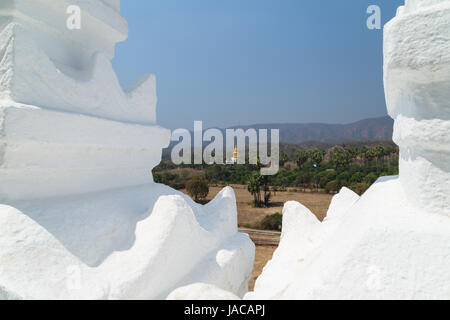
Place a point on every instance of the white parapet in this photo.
(134, 243)
(47, 153)
(102, 27)
(67, 127)
(393, 242)
(80, 215)
(45, 64)
(417, 85)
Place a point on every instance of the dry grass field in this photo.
(250, 217)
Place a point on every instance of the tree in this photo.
(272, 222)
(283, 158)
(302, 157)
(370, 155)
(332, 187)
(214, 173)
(275, 190)
(157, 177)
(370, 178)
(265, 182)
(197, 188)
(343, 178)
(254, 187)
(358, 177)
(360, 188)
(341, 157)
(317, 156)
(304, 180)
(185, 174)
(354, 152)
(362, 155)
(379, 153)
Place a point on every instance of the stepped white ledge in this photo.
(80, 215)
(45, 21)
(29, 76)
(417, 83)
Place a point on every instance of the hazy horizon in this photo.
(306, 123)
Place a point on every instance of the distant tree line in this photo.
(312, 170)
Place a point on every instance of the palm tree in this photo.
(380, 152)
(283, 158)
(302, 157)
(304, 180)
(266, 189)
(353, 152)
(341, 157)
(371, 154)
(362, 155)
(254, 187)
(317, 156)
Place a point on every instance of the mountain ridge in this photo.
(371, 129)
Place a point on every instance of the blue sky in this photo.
(241, 62)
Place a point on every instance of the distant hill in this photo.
(294, 136)
(375, 129)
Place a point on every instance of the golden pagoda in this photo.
(235, 155)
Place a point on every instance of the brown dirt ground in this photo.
(249, 217)
(263, 255)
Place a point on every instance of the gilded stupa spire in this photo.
(235, 154)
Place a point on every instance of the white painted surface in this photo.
(394, 242)
(201, 292)
(80, 216)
